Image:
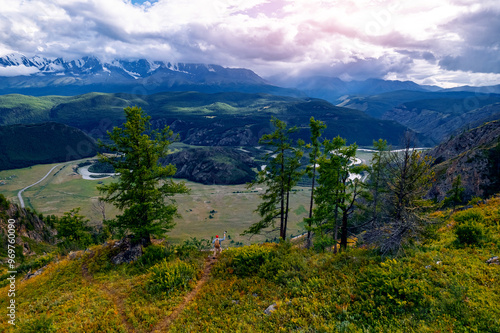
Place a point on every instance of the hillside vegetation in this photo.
(444, 283)
(219, 165)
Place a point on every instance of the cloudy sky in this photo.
(444, 42)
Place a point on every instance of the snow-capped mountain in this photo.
(39, 76)
(128, 69)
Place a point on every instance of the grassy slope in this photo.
(435, 287)
(103, 299)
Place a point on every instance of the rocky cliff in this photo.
(30, 229)
(217, 165)
(475, 155)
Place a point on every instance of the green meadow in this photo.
(207, 211)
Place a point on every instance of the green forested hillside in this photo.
(26, 145)
(218, 165)
(228, 119)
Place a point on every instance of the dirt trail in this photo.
(164, 325)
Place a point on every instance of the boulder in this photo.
(270, 309)
(493, 261)
(128, 251)
(29, 275)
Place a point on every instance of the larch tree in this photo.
(375, 183)
(144, 184)
(455, 194)
(317, 127)
(280, 175)
(408, 177)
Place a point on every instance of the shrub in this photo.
(35, 264)
(4, 203)
(155, 253)
(469, 234)
(199, 245)
(469, 215)
(395, 287)
(323, 242)
(170, 276)
(41, 324)
(283, 269)
(475, 201)
(191, 247)
(245, 261)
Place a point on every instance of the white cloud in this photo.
(17, 70)
(268, 36)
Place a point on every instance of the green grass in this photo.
(436, 286)
(103, 298)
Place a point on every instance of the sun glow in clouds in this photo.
(399, 39)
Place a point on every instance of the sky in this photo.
(438, 42)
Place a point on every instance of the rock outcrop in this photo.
(475, 156)
(28, 225)
(217, 165)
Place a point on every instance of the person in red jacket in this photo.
(217, 243)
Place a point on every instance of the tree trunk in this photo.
(282, 218)
(308, 243)
(343, 236)
(287, 205)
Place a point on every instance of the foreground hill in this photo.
(223, 119)
(26, 145)
(439, 285)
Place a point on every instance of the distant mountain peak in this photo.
(42, 76)
(127, 69)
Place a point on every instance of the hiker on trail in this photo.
(217, 243)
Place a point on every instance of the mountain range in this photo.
(43, 76)
(40, 76)
(431, 111)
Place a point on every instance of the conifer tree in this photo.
(144, 184)
(72, 228)
(337, 190)
(280, 175)
(455, 194)
(317, 127)
(375, 182)
(407, 177)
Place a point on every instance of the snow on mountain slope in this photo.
(135, 69)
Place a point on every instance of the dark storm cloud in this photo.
(479, 49)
